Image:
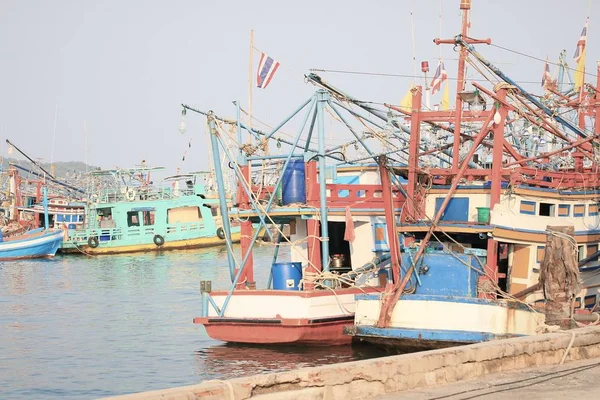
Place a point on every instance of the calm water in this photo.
(78, 327)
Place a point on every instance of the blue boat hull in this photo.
(31, 246)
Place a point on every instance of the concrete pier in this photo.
(395, 374)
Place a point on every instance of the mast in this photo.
(250, 81)
(465, 6)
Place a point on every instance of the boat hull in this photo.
(312, 317)
(318, 332)
(114, 248)
(39, 245)
(420, 322)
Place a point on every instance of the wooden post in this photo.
(246, 242)
(559, 275)
(390, 217)
(412, 214)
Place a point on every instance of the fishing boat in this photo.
(129, 214)
(337, 234)
(474, 237)
(449, 211)
(37, 243)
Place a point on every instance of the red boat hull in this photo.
(316, 332)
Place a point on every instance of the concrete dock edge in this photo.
(386, 375)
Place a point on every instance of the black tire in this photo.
(158, 240)
(220, 233)
(93, 242)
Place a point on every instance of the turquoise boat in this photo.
(135, 216)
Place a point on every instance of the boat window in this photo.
(183, 214)
(546, 209)
(133, 218)
(528, 207)
(579, 210)
(148, 217)
(214, 211)
(564, 210)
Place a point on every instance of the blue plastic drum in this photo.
(294, 182)
(286, 276)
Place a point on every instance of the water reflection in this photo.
(83, 327)
(236, 360)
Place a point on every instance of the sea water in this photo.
(84, 327)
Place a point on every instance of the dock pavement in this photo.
(573, 380)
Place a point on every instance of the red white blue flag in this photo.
(266, 69)
(440, 76)
(581, 42)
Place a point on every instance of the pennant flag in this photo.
(546, 77)
(581, 42)
(440, 76)
(580, 57)
(406, 102)
(446, 97)
(266, 69)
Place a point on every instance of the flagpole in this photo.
(250, 82)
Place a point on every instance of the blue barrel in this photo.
(286, 276)
(294, 182)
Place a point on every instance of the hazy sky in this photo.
(124, 67)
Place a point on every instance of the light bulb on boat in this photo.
(497, 117)
(476, 108)
(182, 124)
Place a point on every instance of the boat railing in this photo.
(113, 234)
(353, 195)
(133, 194)
(341, 195)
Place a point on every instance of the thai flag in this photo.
(266, 69)
(581, 42)
(546, 77)
(440, 76)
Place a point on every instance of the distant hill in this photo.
(68, 169)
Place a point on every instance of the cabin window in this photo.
(133, 219)
(540, 253)
(214, 211)
(579, 210)
(148, 217)
(589, 301)
(546, 210)
(457, 209)
(564, 210)
(338, 247)
(581, 252)
(593, 209)
(527, 207)
(183, 214)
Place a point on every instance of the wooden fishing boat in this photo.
(39, 243)
(476, 238)
(463, 217)
(138, 217)
(308, 298)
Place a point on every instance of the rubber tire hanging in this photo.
(221, 233)
(158, 240)
(93, 242)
